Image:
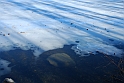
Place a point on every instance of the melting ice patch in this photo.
(86, 50)
(4, 69)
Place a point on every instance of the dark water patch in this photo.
(90, 69)
(1, 68)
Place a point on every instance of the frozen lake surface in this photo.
(92, 26)
(50, 24)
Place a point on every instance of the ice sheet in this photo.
(51, 24)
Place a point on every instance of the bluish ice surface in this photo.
(43, 25)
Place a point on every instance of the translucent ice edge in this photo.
(93, 49)
(4, 69)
